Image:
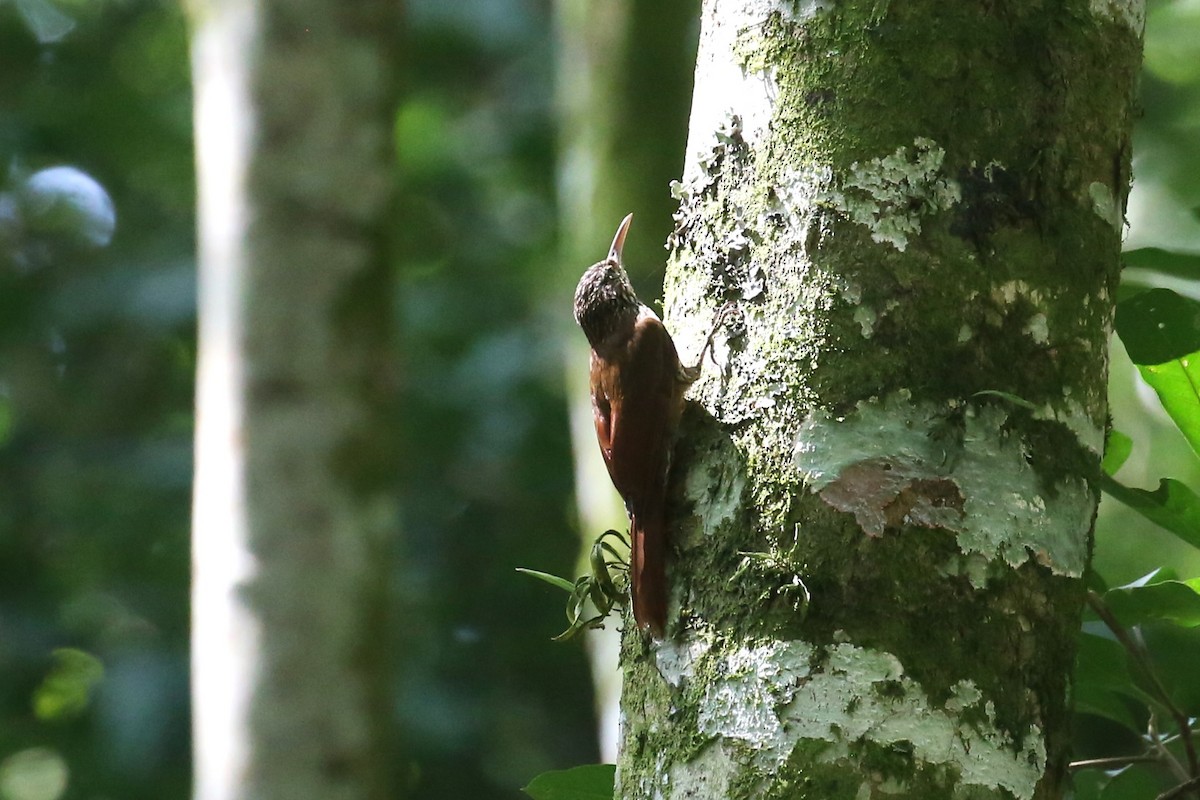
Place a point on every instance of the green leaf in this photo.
(67, 689)
(1117, 448)
(1172, 505)
(1101, 661)
(1137, 782)
(562, 583)
(1105, 703)
(1180, 265)
(1158, 326)
(1177, 384)
(1101, 676)
(1095, 581)
(589, 782)
(1175, 651)
(1171, 601)
(1161, 332)
(1086, 785)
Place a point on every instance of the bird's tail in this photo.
(648, 571)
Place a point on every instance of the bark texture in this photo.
(293, 515)
(883, 513)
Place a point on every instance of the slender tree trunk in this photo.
(591, 40)
(293, 457)
(620, 139)
(878, 562)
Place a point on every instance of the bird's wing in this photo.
(636, 409)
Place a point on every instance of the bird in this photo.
(637, 389)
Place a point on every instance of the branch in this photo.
(1186, 786)
(1142, 659)
(1115, 761)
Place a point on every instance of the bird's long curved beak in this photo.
(618, 244)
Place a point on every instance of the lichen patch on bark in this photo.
(773, 697)
(891, 194)
(676, 658)
(891, 463)
(1128, 12)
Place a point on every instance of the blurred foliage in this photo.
(487, 484)
(590, 782)
(1163, 249)
(66, 691)
(37, 773)
(96, 361)
(1136, 666)
(97, 353)
(1136, 677)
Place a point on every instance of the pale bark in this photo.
(877, 574)
(621, 66)
(591, 39)
(292, 511)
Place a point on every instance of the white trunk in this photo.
(591, 39)
(290, 514)
(225, 634)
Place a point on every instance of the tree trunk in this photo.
(883, 512)
(620, 136)
(293, 457)
(591, 42)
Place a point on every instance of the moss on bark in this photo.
(883, 508)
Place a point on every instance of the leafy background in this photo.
(97, 352)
